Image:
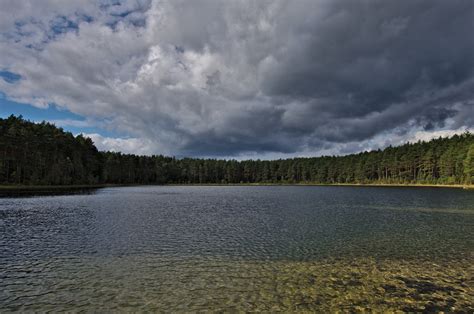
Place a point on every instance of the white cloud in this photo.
(71, 122)
(125, 145)
(429, 135)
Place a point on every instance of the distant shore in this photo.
(55, 187)
(58, 188)
(456, 186)
(49, 189)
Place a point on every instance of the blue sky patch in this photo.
(10, 77)
(63, 25)
(61, 117)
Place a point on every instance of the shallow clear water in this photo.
(238, 248)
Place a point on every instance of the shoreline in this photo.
(456, 186)
(53, 188)
(25, 189)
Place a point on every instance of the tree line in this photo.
(43, 154)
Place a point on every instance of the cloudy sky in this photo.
(240, 79)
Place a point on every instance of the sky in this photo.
(240, 79)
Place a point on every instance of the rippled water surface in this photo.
(280, 248)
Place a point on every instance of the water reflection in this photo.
(45, 191)
(239, 248)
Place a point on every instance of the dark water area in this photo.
(26, 191)
(290, 248)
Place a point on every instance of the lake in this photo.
(231, 248)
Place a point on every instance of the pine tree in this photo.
(469, 165)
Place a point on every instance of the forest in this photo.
(43, 154)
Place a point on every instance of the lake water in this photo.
(270, 248)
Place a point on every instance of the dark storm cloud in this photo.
(215, 78)
(369, 57)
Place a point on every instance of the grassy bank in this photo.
(52, 188)
(19, 190)
(456, 186)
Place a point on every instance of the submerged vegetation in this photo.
(42, 154)
(362, 285)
